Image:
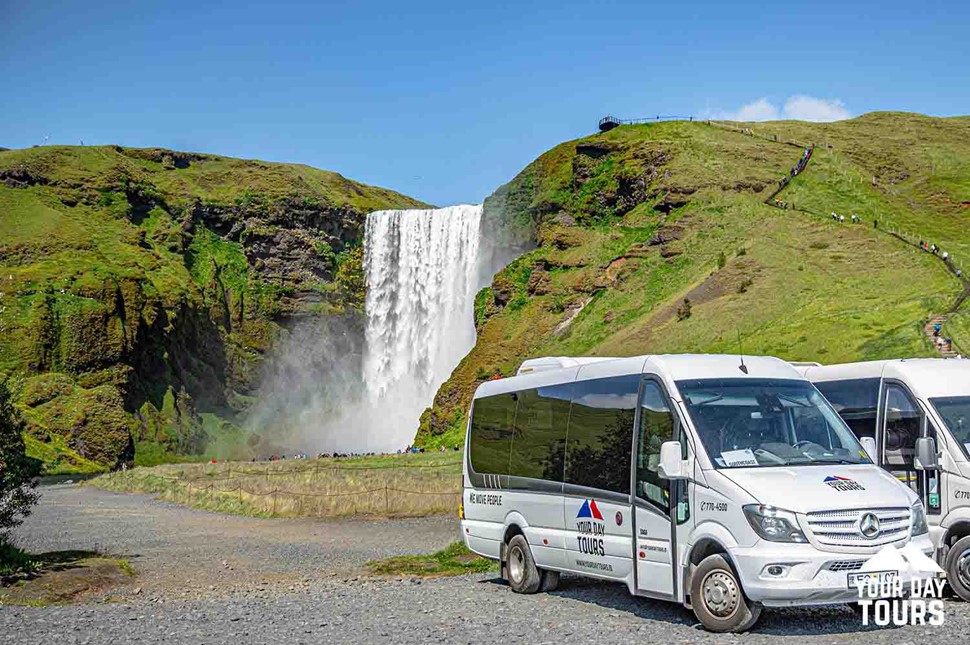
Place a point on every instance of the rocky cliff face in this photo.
(141, 289)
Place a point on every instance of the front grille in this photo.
(844, 565)
(841, 528)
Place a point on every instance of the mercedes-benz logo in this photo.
(869, 526)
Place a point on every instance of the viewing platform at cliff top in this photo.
(609, 122)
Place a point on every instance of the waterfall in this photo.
(422, 272)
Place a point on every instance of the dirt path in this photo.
(180, 552)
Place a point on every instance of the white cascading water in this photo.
(422, 272)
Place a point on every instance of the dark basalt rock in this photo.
(20, 178)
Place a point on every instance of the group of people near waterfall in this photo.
(930, 247)
(854, 219)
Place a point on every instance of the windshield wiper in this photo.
(713, 399)
(793, 401)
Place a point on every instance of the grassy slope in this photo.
(122, 311)
(791, 283)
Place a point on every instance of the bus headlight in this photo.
(918, 525)
(774, 524)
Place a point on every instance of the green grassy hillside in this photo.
(656, 238)
(141, 288)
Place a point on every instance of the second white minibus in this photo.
(915, 413)
(720, 483)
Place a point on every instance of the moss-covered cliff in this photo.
(141, 288)
(656, 238)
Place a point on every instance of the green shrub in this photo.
(14, 560)
(17, 470)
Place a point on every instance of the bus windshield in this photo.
(955, 411)
(745, 423)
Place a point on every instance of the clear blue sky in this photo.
(445, 101)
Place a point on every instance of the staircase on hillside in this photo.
(946, 351)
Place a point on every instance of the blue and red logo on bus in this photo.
(590, 510)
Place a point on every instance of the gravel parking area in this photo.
(186, 553)
(296, 582)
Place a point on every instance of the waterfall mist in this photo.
(310, 389)
(348, 385)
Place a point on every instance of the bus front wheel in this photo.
(718, 599)
(958, 568)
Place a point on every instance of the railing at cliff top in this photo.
(609, 122)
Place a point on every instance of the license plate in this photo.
(877, 578)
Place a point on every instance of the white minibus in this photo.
(914, 415)
(722, 483)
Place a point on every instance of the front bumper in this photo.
(811, 577)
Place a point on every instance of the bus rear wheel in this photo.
(958, 568)
(718, 599)
(524, 575)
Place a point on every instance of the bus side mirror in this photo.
(869, 445)
(926, 458)
(671, 465)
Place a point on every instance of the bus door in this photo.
(903, 422)
(656, 500)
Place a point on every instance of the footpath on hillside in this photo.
(933, 327)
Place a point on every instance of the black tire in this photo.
(958, 568)
(717, 598)
(550, 580)
(524, 576)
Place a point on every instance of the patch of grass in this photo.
(150, 453)
(410, 485)
(453, 560)
(126, 568)
(58, 458)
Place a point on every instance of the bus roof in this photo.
(672, 367)
(927, 377)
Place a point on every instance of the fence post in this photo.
(239, 492)
(387, 504)
(274, 501)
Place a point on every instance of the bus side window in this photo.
(539, 433)
(856, 401)
(656, 427)
(600, 433)
(491, 433)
